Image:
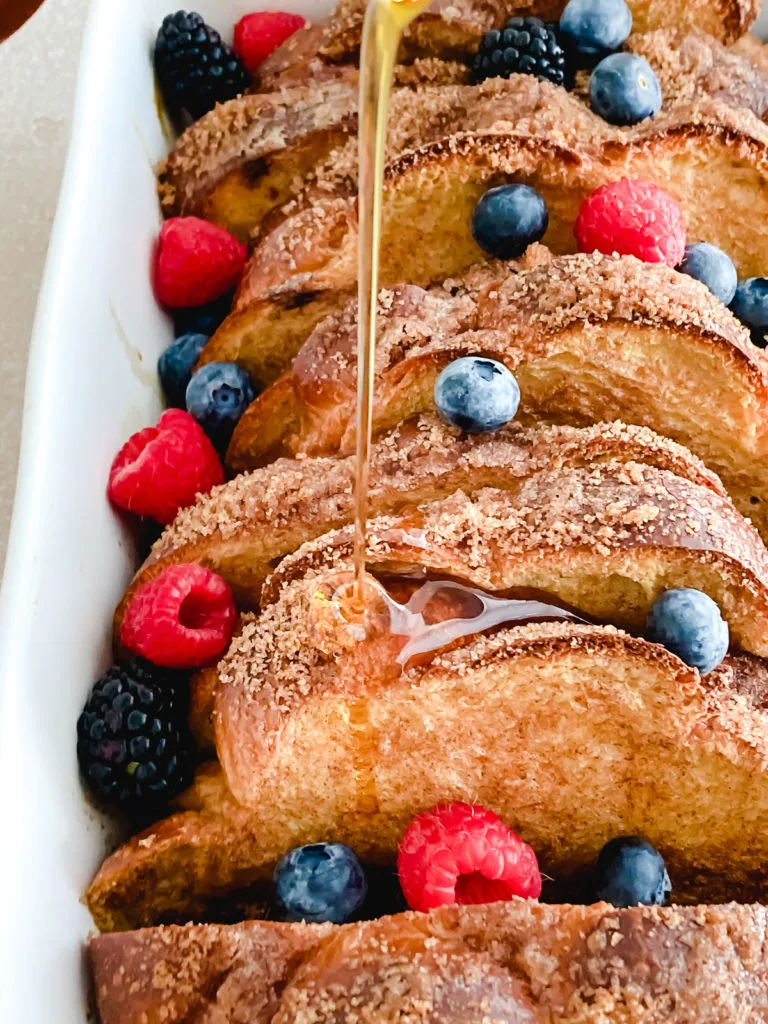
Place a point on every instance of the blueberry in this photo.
(203, 319)
(689, 624)
(176, 364)
(713, 268)
(595, 27)
(624, 90)
(477, 395)
(508, 219)
(217, 396)
(750, 305)
(321, 882)
(630, 872)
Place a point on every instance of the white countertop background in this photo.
(37, 70)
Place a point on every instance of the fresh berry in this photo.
(624, 90)
(257, 35)
(476, 395)
(217, 396)
(195, 69)
(202, 319)
(162, 469)
(595, 28)
(463, 853)
(184, 618)
(750, 305)
(508, 219)
(197, 262)
(133, 744)
(689, 624)
(630, 872)
(713, 268)
(321, 882)
(633, 218)
(525, 46)
(176, 364)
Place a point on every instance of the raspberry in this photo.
(257, 35)
(633, 218)
(162, 469)
(182, 619)
(463, 853)
(197, 262)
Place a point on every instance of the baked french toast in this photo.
(242, 529)
(453, 31)
(525, 655)
(515, 962)
(589, 338)
(605, 540)
(251, 155)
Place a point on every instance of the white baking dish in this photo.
(91, 383)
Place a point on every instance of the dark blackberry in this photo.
(525, 46)
(133, 744)
(196, 70)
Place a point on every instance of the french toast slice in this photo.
(250, 156)
(589, 338)
(699, 153)
(243, 528)
(519, 962)
(454, 30)
(605, 540)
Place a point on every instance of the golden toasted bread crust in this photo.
(606, 538)
(242, 528)
(454, 29)
(253, 154)
(518, 962)
(641, 323)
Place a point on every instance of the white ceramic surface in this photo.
(91, 383)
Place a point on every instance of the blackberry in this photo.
(133, 744)
(196, 70)
(525, 46)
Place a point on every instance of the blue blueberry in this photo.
(750, 305)
(476, 395)
(624, 90)
(689, 624)
(595, 28)
(630, 872)
(321, 882)
(508, 219)
(713, 268)
(176, 364)
(217, 396)
(203, 319)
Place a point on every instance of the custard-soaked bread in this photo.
(589, 338)
(454, 30)
(647, 744)
(243, 528)
(512, 963)
(321, 742)
(251, 155)
(710, 157)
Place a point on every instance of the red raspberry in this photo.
(182, 619)
(197, 262)
(257, 35)
(162, 469)
(463, 853)
(633, 218)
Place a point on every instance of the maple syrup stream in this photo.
(385, 21)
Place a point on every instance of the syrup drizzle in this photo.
(385, 21)
(422, 617)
